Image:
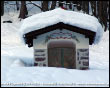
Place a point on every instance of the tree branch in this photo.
(35, 4)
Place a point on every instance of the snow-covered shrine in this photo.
(61, 38)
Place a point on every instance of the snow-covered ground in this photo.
(17, 61)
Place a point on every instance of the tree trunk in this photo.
(108, 11)
(17, 5)
(93, 6)
(75, 4)
(45, 6)
(99, 9)
(53, 5)
(23, 10)
(105, 14)
(84, 6)
(70, 6)
(79, 6)
(87, 7)
(2, 8)
(60, 4)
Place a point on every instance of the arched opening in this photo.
(62, 53)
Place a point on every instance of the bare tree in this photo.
(61, 3)
(23, 10)
(17, 5)
(45, 6)
(70, 5)
(53, 5)
(105, 14)
(93, 6)
(79, 5)
(107, 10)
(87, 6)
(2, 8)
(83, 6)
(100, 9)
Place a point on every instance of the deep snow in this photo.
(17, 61)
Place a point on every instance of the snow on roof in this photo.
(55, 16)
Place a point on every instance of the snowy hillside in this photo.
(17, 63)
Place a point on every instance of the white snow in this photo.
(48, 18)
(17, 63)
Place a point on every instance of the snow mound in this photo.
(55, 16)
(18, 63)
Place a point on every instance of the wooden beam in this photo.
(31, 35)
